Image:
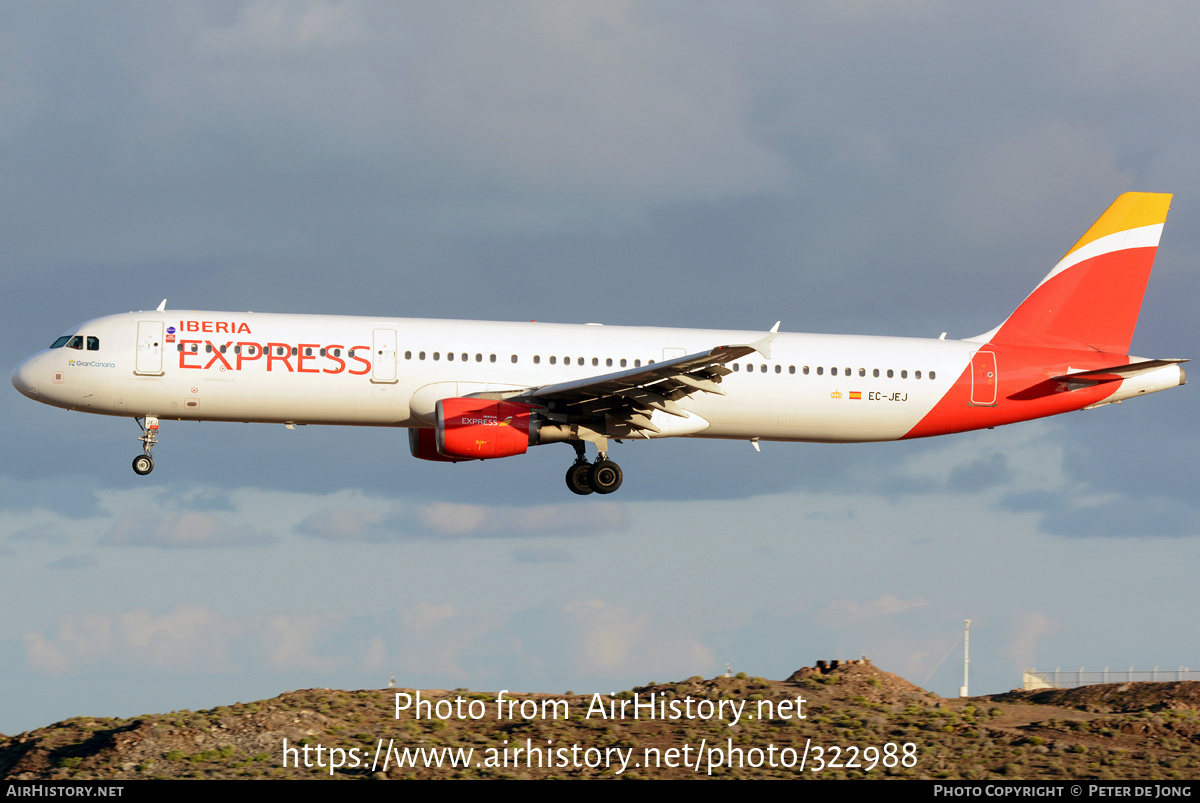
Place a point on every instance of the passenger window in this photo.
(464, 356)
(295, 351)
(904, 374)
(932, 375)
(407, 354)
(637, 363)
(622, 362)
(890, 374)
(806, 370)
(820, 370)
(791, 369)
(514, 359)
(833, 371)
(917, 375)
(93, 344)
(862, 371)
(608, 362)
(450, 356)
(778, 369)
(437, 355)
(735, 366)
(763, 368)
(875, 373)
(336, 352)
(478, 358)
(595, 361)
(537, 359)
(238, 350)
(350, 353)
(492, 358)
(208, 348)
(554, 360)
(420, 355)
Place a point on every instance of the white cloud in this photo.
(462, 520)
(289, 642)
(457, 520)
(1031, 628)
(884, 606)
(185, 638)
(170, 530)
(345, 524)
(608, 639)
(527, 111)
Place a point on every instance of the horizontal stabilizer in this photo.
(1116, 372)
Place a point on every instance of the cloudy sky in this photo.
(867, 167)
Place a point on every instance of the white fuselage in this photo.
(298, 369)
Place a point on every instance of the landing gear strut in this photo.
(602, 477)
(143, 464)
(580, 470)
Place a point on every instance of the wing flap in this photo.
(632, 396)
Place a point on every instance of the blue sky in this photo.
(876, 168)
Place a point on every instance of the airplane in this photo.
(479, 390)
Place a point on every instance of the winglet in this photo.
(763, 345)
(161, 306)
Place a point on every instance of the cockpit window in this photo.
(76, 342)
(62, 341)
(93, 343)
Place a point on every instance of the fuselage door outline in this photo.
(383, 362)
(983, 379)
(149, 355)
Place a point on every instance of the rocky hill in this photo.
(831, 721)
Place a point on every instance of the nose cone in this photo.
(24, 377)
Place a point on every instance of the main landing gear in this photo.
(602, 477)
(143, 464)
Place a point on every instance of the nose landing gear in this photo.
(143, 464)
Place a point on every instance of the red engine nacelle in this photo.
(423, 444)
(478, 429)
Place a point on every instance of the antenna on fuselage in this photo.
(161, 306)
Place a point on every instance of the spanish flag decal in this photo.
(855, 394)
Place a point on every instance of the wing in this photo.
(632, 397)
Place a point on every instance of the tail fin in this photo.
(1094, 294)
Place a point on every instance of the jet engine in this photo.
(479, 429)
(423, 445)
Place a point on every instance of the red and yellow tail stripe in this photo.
(1092, 298)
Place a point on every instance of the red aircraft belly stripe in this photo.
(1024, 390)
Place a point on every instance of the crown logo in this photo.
(837, 394)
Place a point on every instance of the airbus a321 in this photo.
(479, 390)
